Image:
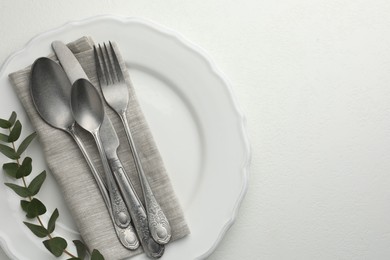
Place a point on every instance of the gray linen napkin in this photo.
(74, 177)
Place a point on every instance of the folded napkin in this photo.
(73, 174)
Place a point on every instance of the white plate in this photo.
(191, 111)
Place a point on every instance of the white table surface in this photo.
(313, 78)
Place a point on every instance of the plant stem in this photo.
(30, 199)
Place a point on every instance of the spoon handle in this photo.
(137, 211)
(126, 234)
(158, 222)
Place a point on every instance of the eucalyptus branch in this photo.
(33, 207)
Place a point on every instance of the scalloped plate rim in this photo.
(199, 51)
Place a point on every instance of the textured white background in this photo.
(313, 78)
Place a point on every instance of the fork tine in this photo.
(109, 71)
(110, 67)
(118, 69)
(106, 65)
(99, 70)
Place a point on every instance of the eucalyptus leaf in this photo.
(25, 143)
(24, 204)
(24, 169)
(12, 118)
(38, 230)
(35, 208)
(10, 169)
(81, 248)
(52, 221)
(5, 123)
(3, 137)
(20, 190)
(96, 255)
(9, 152)
(36, 183)
(15, 132)
(56, 245)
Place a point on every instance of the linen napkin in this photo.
(73, 175)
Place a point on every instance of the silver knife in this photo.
(115, 204)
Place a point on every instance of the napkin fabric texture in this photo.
(73, 175)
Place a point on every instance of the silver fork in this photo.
(115, 92)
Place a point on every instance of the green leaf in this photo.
(38, 230)
(74, 258)
(56, 245)
(10, 169)
(35, 208)
(12, 118)
(52, 221)
(24, 169)
(96, 255)
(25, 143)
(81, 248)
(15, 132)
(5, 123)
(3, 137)
(20, 190)
(24, 204)
(36, 183)
(9, 152)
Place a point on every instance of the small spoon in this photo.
(88, 111)
(50, 92)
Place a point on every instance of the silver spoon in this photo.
(88, 111)
(50, 91)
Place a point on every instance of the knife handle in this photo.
(126, 234)
(137, 211)
(121, 213)
(119, 209)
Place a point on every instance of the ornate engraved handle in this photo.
(124, 230)
(152, 248)
(119, 210)
(158, 222)
(126, 235)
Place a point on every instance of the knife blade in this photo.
(69, 62)
(117, 208)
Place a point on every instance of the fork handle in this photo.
(158, 222)
(137, 211)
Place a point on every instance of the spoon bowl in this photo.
(50, 91)
(87, 106)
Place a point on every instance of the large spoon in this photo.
(88, 111)
(50, 91)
